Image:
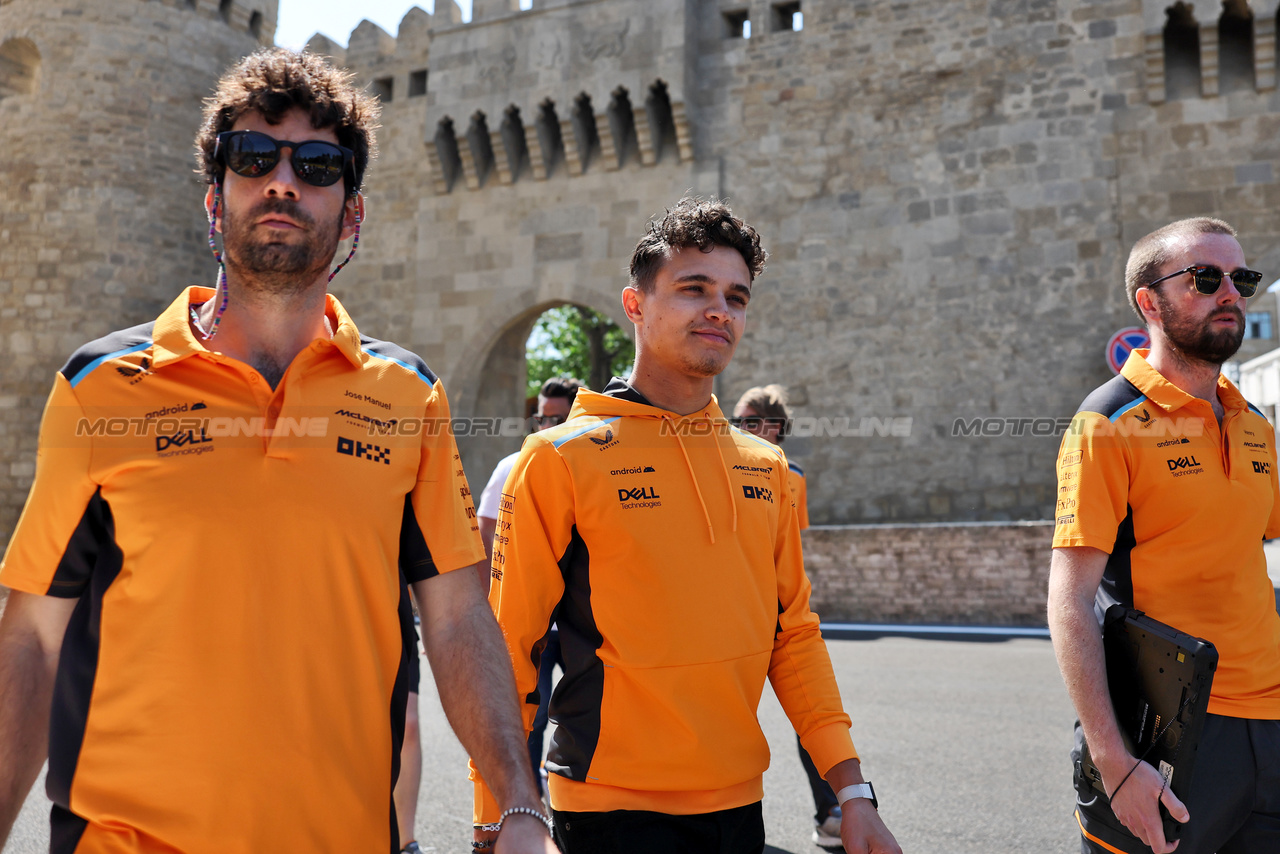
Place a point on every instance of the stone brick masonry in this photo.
(961, 574)
(948, 189)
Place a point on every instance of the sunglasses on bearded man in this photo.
(252, 154)
(1209, 278)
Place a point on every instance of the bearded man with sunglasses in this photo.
(1167, 485)
(210, 616)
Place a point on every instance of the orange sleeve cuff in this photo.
(828, 746)
(484, 809)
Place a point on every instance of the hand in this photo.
(863, 832)
(1137, 807)
(524, 834)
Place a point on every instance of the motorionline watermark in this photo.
(217, 427)
(1043, 426)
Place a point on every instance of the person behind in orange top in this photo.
(1166, 488)
(208, 634)
(666, 544)
(763, 411)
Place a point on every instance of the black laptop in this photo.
(1159, 680)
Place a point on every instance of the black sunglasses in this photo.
(254, 155)
(1208, 279)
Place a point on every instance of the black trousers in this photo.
(824, 800)
(733, 831)
(1234, 799)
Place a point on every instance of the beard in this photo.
(705, 366)
(1200, 341)
(278, 267)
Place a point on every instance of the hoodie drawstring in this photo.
(724, 468)
(689, 464)
(728, 484)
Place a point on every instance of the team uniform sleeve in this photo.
(800, 667)
(534, 533)
(439, 532)
(53, 549)
(1273, 523)
(1093, 484)
(801, 492)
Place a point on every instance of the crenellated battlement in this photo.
(644, 133)
(256, 17)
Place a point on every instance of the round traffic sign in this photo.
(1127, 339)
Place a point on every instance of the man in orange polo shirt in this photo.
(1166, 488)
(209, 617)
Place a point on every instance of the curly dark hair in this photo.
(272, 81)
(703, 223)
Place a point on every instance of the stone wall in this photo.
(961, 574)
(949, 189)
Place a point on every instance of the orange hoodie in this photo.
(668, 548)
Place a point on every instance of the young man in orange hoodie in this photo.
(669, 543)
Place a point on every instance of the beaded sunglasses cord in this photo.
(355, 244)
(222, 274)
(222, 269)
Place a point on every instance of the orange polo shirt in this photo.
(233, 678)
(1146, 474)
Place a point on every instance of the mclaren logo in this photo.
(753, 471)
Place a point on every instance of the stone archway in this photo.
(488, 382)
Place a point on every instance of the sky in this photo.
(299, 20)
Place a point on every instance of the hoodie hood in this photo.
(620, 400)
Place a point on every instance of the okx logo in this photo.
(758, 492)
(1261, 468)
(372, 453)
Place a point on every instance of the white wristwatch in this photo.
(860, 790)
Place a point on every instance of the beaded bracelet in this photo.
(530, 811)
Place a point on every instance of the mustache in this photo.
(278, 205)
(1231, 311)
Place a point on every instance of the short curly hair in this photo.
(273, 81)
(703, 223)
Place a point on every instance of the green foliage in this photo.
(570, 340)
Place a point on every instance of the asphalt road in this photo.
(966, 743)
